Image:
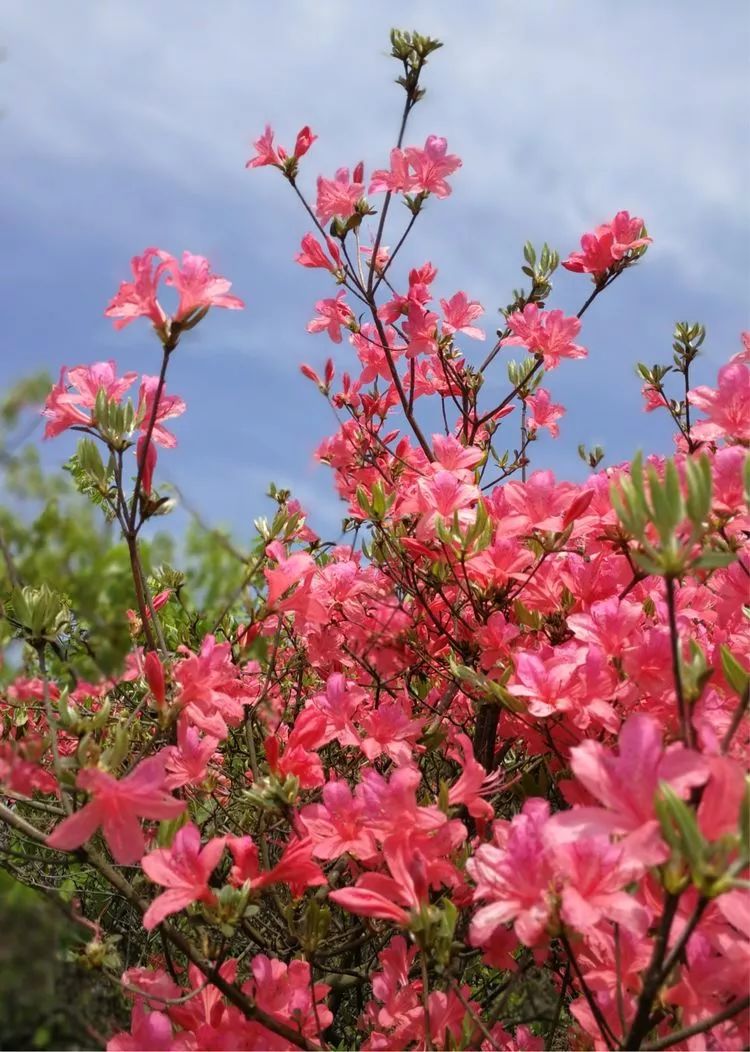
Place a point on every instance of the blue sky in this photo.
(128, 124)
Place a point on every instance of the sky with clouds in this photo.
(128, 124)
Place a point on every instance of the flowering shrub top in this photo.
(476, 777)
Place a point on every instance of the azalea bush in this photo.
(473, 777)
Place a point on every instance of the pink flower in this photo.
(101, 376)
(153, 671)
(77, 390)
(149, 1030)
(332, 315)
(313, 254)
(296, 866)
(514, 874)
(395, 179)
(543, 412)
(303, 142)
(545, 332)
(184, 870)
(116, 806)
(389, 897)
(187, 762)
(62, 409)
(609, 624)
(727, 407)
(420, 329)
(607, 245)
(594, 874)
(626, 785)
(458, 315)
(389, 730)
(268, 154)
(653, 398)
(137, 298)
(441, 495)
(453, 456)
(495, 638)
(337, 825)
(473, 782)
(155, 985)
(146, 457)
(265, 151)
(338, 196)
(197, 286)
(287, 993)
(198, 289)
(210, 689)
(170, 406)
(430, 165)
(290, 570)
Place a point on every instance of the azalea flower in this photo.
(727, 407)
(546, 333)
(333, 314)
(71, 401)
(137, 298)
(543, 412)
(339, 196)
(116, 807)
(607, 245)
(197, 286)
(430, 165)
(458, 315)
(268, 154)
(184, 869)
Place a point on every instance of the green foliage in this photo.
(48, 999)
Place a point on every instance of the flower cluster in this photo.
(504, 737)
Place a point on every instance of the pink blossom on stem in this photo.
(149, 1030)
(514, 875)
(170, 407)
(117, 806)
(153, 670)
(653, 398)
(543, 412)
(430, 165)
(396, 179)
(727, 407)
(313, 254)
(146, 457)
(547, 333)
(338, 196)
(184, 869)
(459, 313)
(265, 151)
(389, 897)
(288, 993)
(77, 390)
(187, 762)
(137, 298)
(197, 286)
(303, 142)
(626, 785)
(337, 825)
(607, 245)
(268, 154)
(333, 314)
